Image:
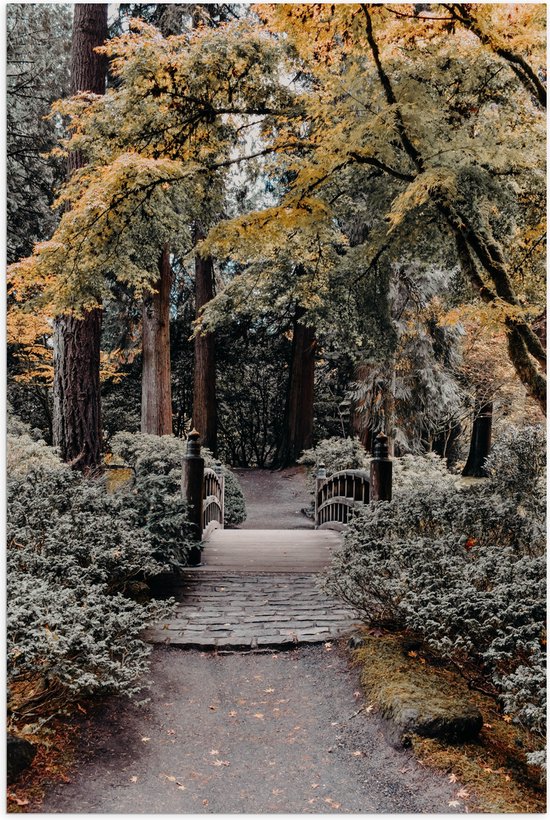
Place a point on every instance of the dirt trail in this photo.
(280, 732)
(274, 499)
(255, 734)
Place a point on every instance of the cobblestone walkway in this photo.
(249, 611)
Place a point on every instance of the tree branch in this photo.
(410, 149)
(518, 64)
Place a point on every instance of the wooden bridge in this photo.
(337, 497)
(254, 588)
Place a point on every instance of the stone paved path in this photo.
(260, 587)
(249, 611)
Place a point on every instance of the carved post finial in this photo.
(381, 445)
(193, 444)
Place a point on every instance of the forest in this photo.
(290, 227)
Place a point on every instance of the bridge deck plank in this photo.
(270, 550)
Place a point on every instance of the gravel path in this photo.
(274, 500)
(254, 733)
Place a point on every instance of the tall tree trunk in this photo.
(480, 443)
(156, 394)
(298, 429)
(77, 401)
(76, 408)
(205, 416)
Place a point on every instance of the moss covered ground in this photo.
(491, 769)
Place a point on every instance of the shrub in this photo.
(415, 472)
(75, 553)
(149, 455)
(24, 454)
(335, 453)
(463, 570)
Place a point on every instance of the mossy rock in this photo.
(415, 697)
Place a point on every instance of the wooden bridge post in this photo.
(381, 470)
(192, 488)
(320, 478)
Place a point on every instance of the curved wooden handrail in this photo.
(337, 496)
(213, 502)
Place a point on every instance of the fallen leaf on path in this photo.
(357, 754)
(133, 779)
(277, 791)
(145, 739)
(453, 778)
(205, 802)
(332, 803)
(221, 763)
(369, 708)
(170, 732)
(315, 785)
(21, 802)
(312, 800)
(357, 694)
(328, 646)
(507, 719)
(463, 794)
(172, 779)
(259, 716)
(453, 803)
(269, 690)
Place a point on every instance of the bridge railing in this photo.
(213, 500)
(338, 496)
(203, 489)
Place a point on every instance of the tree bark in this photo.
(298, 428)
(77, 401)
(76, 408)
(156, 394)
(480, 443)
(205, 416)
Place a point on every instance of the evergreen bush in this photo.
(336, 454)
(76, 554)
(159, 456)
(463, 570)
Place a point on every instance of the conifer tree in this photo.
(77, 339)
